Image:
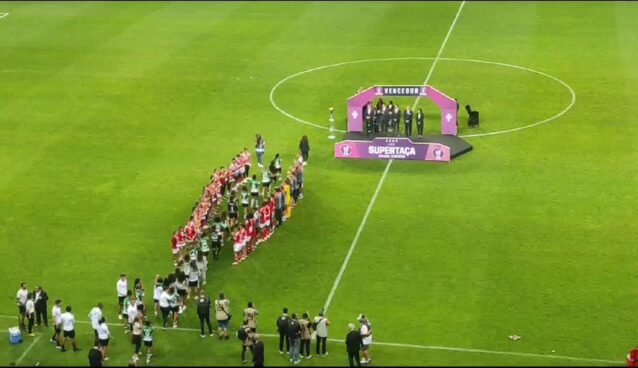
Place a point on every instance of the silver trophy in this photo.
(332, 123)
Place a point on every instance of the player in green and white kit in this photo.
(204, 245)
(147, 337)
(254, 193)
(125, 304)
(217, 238)
(245, 200)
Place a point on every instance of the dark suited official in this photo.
(385, 117)
(397, 120)
(258, 351)
(419, 123)
(407, 119)
(389, 124)
(368, 115)
(41, 298)
(353, 345)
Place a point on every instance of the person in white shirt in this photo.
(122, 288)
(68, 329)
(132, 315)
(157, 291)
(29, 308)
(103, 336)
(164, 306)
(56, 314)
(366, 338)
(320, 324)
(21, 301)
(193, 280)
(94, 316)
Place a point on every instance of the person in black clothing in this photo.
(389, 125)
(419, 123)
(95, 357)
(203, 311)
(353, 345)
(282, 328)
(233, 210)
(457, 111)
(379, 104)
(407, 120)
(385, 118)
(41, 298)
(304, 147)
(397, 120)
(376, 121)
(368, 114)
(258, 351)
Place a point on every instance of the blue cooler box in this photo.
(15, 335)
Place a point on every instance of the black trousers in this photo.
(205, 318)
(95, 340)
(305, 346)
(283, 336)
(419, 129)
(31, 318)
(41, 315)
(243, 351)
(397, 126)
(56, 335)
(322, 341)
(137, 341)
(217, 248)
(408, 130)
(279, 216)
(354, 355)
(165, 312)
(304, 155)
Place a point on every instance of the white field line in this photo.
(2, 15)
(385, 173)
(438, 55)
(570, 89)
(26, 352)
(390, 344)
(356, 238)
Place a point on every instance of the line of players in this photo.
(386, 119)
(264, 204)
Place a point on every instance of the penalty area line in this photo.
(388, 344)
(2, 15)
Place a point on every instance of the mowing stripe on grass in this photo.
(356, 238)
(390, 344)
(385, 172)
(24, 354)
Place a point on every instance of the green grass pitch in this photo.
(112, 116)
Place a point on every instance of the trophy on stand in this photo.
(332, 123)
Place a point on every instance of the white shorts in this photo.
(264, 224)
(237, 247)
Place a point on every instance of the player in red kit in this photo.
(250, 229)
(175, 248)
(237, 244)
(632, 358)
(181, 238)
(264, 221)
(244, 240)
(191, 231)
(271, 206)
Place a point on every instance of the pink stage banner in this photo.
(392, 148)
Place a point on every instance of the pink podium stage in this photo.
(439, 148)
